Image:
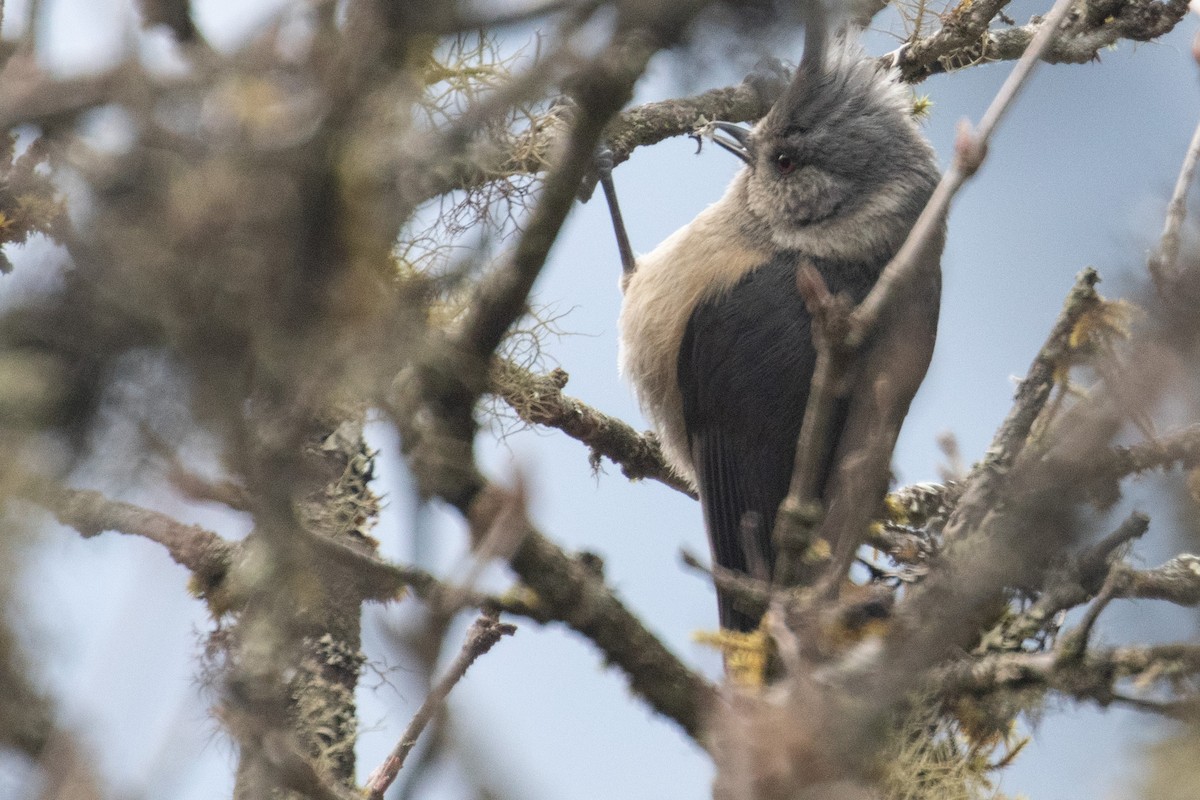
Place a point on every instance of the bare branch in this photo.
(964, 39)
(573, 591)
(29, 96)
(91, 513)
(1177, 581)
(1186, 709)
(1031, 396)
(1163, 260)
(1065, 589)
(640, 126)
(829, 318)
(1094, 563)
(539, 400)
(484, 633)
(1181, 448)
(603, 88)
(964, 26)
(1074, 645)
(800, 511)
(1090, 677)
(970, 151)
(737, 584)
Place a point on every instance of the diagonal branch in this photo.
(539, 400)
(602, 89)
(483, 635)
(1163, 261)
(573, 591)
(962, 29)
(988, 476)
(91, 513)
(970, 152)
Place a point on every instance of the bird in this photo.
(715, 336)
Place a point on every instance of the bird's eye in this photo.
(784, 164)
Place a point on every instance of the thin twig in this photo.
(484, 633)
(1163, 260)
(1180, 448)
(1074, 644)
(736, 584)
(1093, 564)
(603, 87)
(91, 513)
(1031, 395)
(572, 591)
(539, 400)
(1065, 589)
(799, 512)
(1186, 709)
(624, 248)
(828, 324)
(191, 484)
(969, 154)
(500, 541)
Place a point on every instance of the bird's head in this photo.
(839, 146)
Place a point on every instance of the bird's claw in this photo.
(603, 161)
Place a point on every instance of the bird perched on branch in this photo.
(716, 337)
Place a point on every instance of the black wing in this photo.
(745, 365)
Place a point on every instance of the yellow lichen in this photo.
(746, 654)
(1100, 325)
(896, 511)
(818, 551)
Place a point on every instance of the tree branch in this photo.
(964, 26)
(1163, 260)
(573, 591)
(1181, 448)
(539, 400)
(1032, 393)
(964, 39)
(601, 90)
(1065, 589)
(1177, 581)
(483, 635)
(91, 513)
(1091, 677)
(969, 153)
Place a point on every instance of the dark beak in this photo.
(733, 138)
